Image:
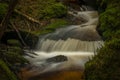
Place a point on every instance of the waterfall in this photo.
(70, 45)
(73, 37)
(77, 42)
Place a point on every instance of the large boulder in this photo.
(58, 58)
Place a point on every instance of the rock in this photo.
(58, 58)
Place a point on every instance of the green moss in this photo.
(5, 72)
(42, 9)
(110, 22)
(56, 24)
(56, 10)
(105, 65)
(42, 32)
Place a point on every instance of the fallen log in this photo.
(27, 17)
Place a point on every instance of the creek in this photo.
(67, 48)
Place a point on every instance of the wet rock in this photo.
(59, 58)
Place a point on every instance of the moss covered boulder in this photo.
(110, 21)
(106, 64)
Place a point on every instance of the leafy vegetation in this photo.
(105, 65)
(109, 23)
(10, 60)
(5, 72)
(48, 12)
(40, 9)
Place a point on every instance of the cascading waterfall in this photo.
(70, 45)
(77, 42)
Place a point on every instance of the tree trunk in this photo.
(5, 20)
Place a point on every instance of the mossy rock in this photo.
(110, 22)
(105, 65)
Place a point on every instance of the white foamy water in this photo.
(75, 59)
(70, 45)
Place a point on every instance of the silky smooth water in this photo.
(77, 42)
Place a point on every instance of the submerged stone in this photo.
(59, 58)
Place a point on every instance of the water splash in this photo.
(75, 59)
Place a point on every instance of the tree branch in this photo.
(19, 35)
(5, 20)
(28, 17)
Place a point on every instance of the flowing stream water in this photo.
(78, 43)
